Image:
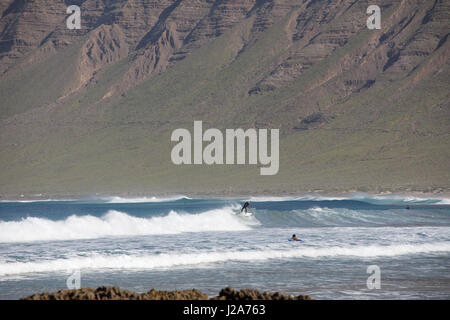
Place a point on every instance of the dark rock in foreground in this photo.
(229, 293)
(115, 293)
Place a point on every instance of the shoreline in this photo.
(212, 195)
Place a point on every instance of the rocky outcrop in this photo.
(105, 45)
(229, 293)
(25, 26)
(411, 32)
(115, 293)
(153, 59)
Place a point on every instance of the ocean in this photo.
(178, 243)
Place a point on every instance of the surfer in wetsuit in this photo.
(244, 207)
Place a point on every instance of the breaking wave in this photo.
(116, 223)
(144, 199)
(101, 261)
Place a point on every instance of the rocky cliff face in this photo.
(305, 66)
(156, 34)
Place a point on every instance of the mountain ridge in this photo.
(91, 110)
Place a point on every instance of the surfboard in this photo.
(299, 240)
(246, 214)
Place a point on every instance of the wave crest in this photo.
(116, 223)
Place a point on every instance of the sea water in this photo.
(178, 243)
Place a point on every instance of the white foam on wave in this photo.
(99, 261)
(326, 216)
(272, 199)
(294, 198)
(144, 199)
(116, 223)
(408, 199)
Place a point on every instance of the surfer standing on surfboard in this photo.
(244, 207)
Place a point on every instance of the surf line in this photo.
(213, 153)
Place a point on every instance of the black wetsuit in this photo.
(245, 206)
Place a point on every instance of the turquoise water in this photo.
(182, 243)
